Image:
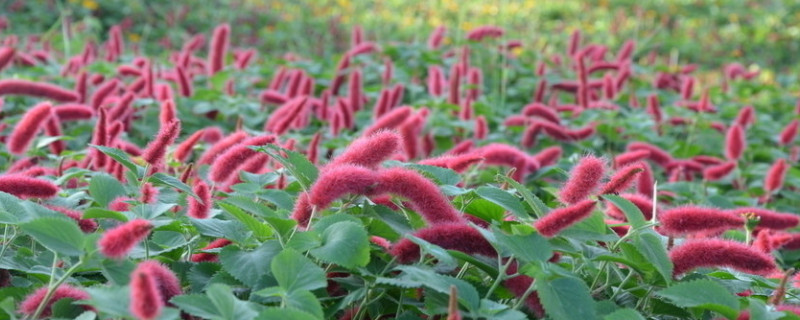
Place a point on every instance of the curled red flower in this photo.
(64, 291)
(86, 225)
(37, 89)
(221, 146)
(424, 195)
(583, 180)
(622, 179)
(717, 172)
(389, 120)
(452, 236)
(26, 129)
(156, 150)
(335, 182)
(657, 154)
(773, 181)
(117, 242)
(712, 253)
(226, 166)
(369, 151)
(769, 219)
(693, 219)
(560, 219)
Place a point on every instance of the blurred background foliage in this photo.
(757, 33)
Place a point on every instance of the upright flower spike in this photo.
(389, 120)
(436, 37)
(719, 171)
(735, 142)
(199, 209)
(773, 181)
(117, 242)
(226, 166)
(424, 195)
(167, 283)
(560, 219)
(369, 151)
(221, 146)
(645, 205)
(26, 129)
(219, 48)
(156, 150)
(788, 133)
(583, 180)
(27, 187)
(145, 301)
(711, 253)
(548, 156)
(452, 236)
(32, 301)
(622, 179)
(657, 155)
(686, 220)
(37, 89)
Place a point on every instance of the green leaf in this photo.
(197, 305)
(65, 308)
(503, 199)
(306, 301)
(248, 266)
(344, 243)
(233, 230)
(652, 248)
(445, 260)
(228, 306)
(704, 294)
(260, 230)
(539, 208)
(631, 211)
(112, 301)
(15, 211)
(528, 248)
(161, 179)
(95, 212)
(60, 235)
(117, 271)
(104, 188)
(624, 314)
(121, 157)
(293, 271)
(298, 165)
(566, 299)
(285, 314)
(467, 295)
(442, 176)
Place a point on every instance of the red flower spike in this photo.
(199, 209)
(436, 37)
(221, 146)
(72, 112)
(184, 149)
(712, 253)
(481, 128)
(483, 32)
(102, 93)
(389, 120)
(302, 210)
(149, 193)
(37, 89)
(622, 179)
(167, 283)
(210, 257)
(451, 236)
(629, 157)
(583, 180)
(510, 156)
(33, 300)
(227, 165)
(424, 195)
(117, 242)
(657, 155)
(369, 151)
(156, 150)
(775, 176)
(548, 156)
(26, 187)
(335, 182)
(120, 204)
(26, 129)
(769, 219)
(86, 225)
(219, 48)
(788, 133)
(686, 220)
(735, 142)
(746, 117)
(560, 219)
(145, 301)
(717, 172)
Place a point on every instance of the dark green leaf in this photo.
(161, 179)
(624, 314)
(260, 230)
(121, 157)
(293, 271)
(298, 165)
(539, 208)
(233, 230)
(566, 299)
(652, 248)
(285, 314)
(503, 199)
(228, 306)
(345, 243)
(95, 212)
(529, 248)
(631, 211)
(60, 235)
(249, 266)
(104, 188)
(704, 294)
(306, 301)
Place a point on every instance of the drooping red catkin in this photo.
(451, 236)
(312, 152)
(32, 301)
(222, 145)
(71, 112)
(167, 284)
(622, 179)
(773, 181)
(369, 151)
(574, 42)
(354, 89)
(117, 242)
(541, 111)
(168, 113)
(338, 181)
(769, 219)
(227, 165)
(219, 48)
(102, 93)
(735, 142)
(37, 89)
(283, 116)
(583, 180)
(53, 129)
(436, 37)
(506, 155)
(6, 55)
(184, 82)
(746, 116)
(424, 195)
(28, 126)
(711, 253)
(454, 85)
(86, 225)
(481, 128)
(436, 81)
(26, 187)
(642, 202)
(562, 218)
(719, 171)
(654, 108)
(548, 156)
(686, 220)
(788, 133)
(184, 149)
(149, 193)
(389, 120)
(207, 256)
(657, 155)
(145, 300)
(156, 150)
(629, 157)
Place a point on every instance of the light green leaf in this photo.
(298, 165)
(293, 271)
(60, 235)
(306, 301)
(632, 213)
(95, 212)
(249, 266)
(161, 179)
(285, 314)
(104, 188)
(121, 157)
(345, 243)
(566, 299)
(528, 248)
(228, 306)
(503, 199)
(260, 229)
(651, 247)
(624, 314)
(233, 230)
(704, 294)
(539, 208)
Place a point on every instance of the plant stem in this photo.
(51, 288)
(501, 275)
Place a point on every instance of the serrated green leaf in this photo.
(196, 304)
(285, 314)
(566, 299)
(60, 235)
(632, 213)
(249, 266)
(306, 301)
(233, 230)
(161, 179)
(704, 294)
(293, 271)
(624, 314)
(652, 248)
(260, 229)
(467, 294)
(445, 260)
(441, 176)
(345, 243)
(528, 248)
(539, 208)
(121, 157)
(298, 165)
(117, 271)
(95, 213)
(503, 199)
(228, 306)
(65, 308)
(104, 188)
(112, 301)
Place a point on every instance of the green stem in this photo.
(521, 299)
(501, 275)
(51, 288)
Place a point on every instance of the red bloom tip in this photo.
(424, 195)
(775, 176)
(220, 146)
(389, 120)
(86, 225)
(120, 204)
(227, 165)
(149, 193)
(789, 133)
(32, 121)
(644, 204)
(735, 142)
(451, 236)
(156, 150)
(483, 32)
(199, 209)
(717, 172)
(335, 182)
(583, 180)
(510, 156)
(720, 253)
(26, 187)
(210, 257)
(369, 151)
(548, 156)
(746, 116)
(481, 128)
(629, 157)
(622, 179)
(167, 283)
(33, 300)
(560, 219)
(657, 154)
(37, 89)
(769, 219)
(146, 302)
(117, 242)
(436, 37)
(692, 219)
(219, 48)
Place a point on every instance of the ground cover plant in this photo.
(465, 176)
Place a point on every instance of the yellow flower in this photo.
(90, 4)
